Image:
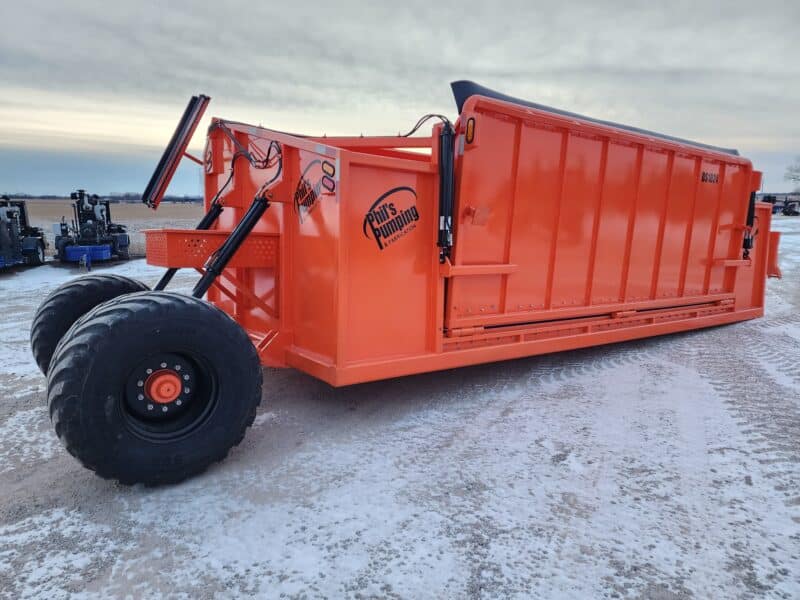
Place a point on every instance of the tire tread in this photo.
(68, 303)
(74, 351)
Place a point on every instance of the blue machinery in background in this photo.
(87, 254)
(92, 235)
(20, 242)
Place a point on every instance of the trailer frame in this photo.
(257, 282)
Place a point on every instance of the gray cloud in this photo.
(722, 72)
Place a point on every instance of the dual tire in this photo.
(151, 387)
(67, 304)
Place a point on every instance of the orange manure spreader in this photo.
(516, 230)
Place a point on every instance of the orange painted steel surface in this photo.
(163, 386)
(189, 248)
(567, 233)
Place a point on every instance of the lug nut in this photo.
(149, 407)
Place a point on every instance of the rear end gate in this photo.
(517, 230)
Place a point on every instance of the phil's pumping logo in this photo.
(391, 216)
(316, 177)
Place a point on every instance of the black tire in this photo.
(61, 248)
(67, 304)
(97, 405)
(37, 258)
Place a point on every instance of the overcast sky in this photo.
(90, 91)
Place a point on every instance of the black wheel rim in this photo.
(153, 410)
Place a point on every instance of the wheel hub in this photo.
(161, 387)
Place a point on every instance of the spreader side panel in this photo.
(389, 254)
(312, 240)
(567, 219)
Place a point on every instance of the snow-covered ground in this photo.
(664, 468)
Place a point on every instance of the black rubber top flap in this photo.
(463, 89)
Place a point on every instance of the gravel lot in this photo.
(665, 468)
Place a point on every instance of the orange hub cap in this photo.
(163, 386)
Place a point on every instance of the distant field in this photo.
(44, 213)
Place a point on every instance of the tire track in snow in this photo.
(769, 417)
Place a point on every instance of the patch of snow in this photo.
(614, 476)
(26, 288)
(267, 417)
(46, 278)
(42, 569)
(26, 437)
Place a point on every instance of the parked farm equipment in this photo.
(20, 243)
(91, 235)
(791, 208)
(516, 230)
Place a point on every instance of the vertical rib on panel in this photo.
(552, 257)
(688, 238)
(634, 201)
(662, 226)
(596, 224)
(503, 308)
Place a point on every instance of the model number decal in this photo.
(391, 216)
(707, 177)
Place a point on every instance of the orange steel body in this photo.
(568, 233)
